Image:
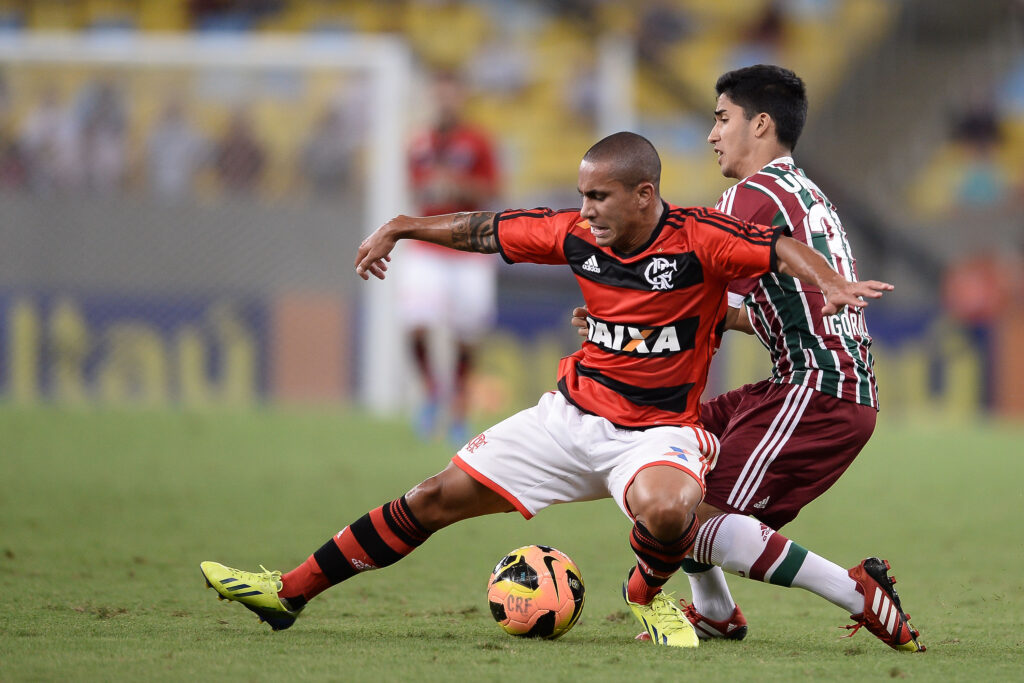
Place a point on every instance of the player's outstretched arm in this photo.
(472, 231)
(800, 261)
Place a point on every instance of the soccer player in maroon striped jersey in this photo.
(787, 439)
(624, 422)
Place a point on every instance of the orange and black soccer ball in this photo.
(536, 592)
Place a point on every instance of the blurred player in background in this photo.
(623, 423)
(452, 168)
(787, 439)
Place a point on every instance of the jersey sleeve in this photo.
(535, 236)
(735, 249)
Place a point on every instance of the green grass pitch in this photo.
(105, 516)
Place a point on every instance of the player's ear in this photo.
(644, 195)
(763, 124)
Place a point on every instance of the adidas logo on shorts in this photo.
(591, 265)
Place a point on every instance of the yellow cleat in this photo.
(664, 621)
(256, 590)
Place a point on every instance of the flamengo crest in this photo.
(659, 273)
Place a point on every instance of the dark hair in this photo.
(776, 91)
(634, 158)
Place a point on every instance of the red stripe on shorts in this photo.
(461, 464)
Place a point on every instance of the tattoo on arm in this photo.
(474, 232)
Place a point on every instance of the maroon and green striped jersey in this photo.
(828, 353)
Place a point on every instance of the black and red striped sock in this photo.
(378, 539)
(656, 561)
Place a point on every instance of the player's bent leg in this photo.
(378, 539)
(741, 545)
(745, 547)
(710, 592)
(452, 496)
(661, 499)
(713, 612)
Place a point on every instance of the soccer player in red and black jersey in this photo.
(624, 422)
(787, 439)
(453, 167)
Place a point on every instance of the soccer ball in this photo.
(536, 591)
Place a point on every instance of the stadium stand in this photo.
(544, 118)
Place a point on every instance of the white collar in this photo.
(781, 160)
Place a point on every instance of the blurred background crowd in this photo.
(156, 215)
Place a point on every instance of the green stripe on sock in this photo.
(784, 575)
(695, 567)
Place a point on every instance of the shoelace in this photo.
(274, 577)
(852, 628)
(664, 605)
(267, 575)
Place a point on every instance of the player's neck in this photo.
(645, 227)
(762, 158)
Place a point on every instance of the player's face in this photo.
(732, 138)
(610, 207)
(449, 99)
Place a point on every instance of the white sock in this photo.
(710, 592)
(744, 546)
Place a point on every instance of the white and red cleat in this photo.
(883, 615)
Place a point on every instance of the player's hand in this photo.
(375, 252)
(579, 320)
(853, 294)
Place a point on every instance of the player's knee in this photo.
(664, 504)
(668, 514)
(667, 521)
(452, 496)
(430, 503)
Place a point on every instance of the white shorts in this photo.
(555, 453)
(454, 291)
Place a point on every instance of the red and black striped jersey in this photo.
(828, 353)
(654, 315)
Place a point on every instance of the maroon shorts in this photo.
(783, 445)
